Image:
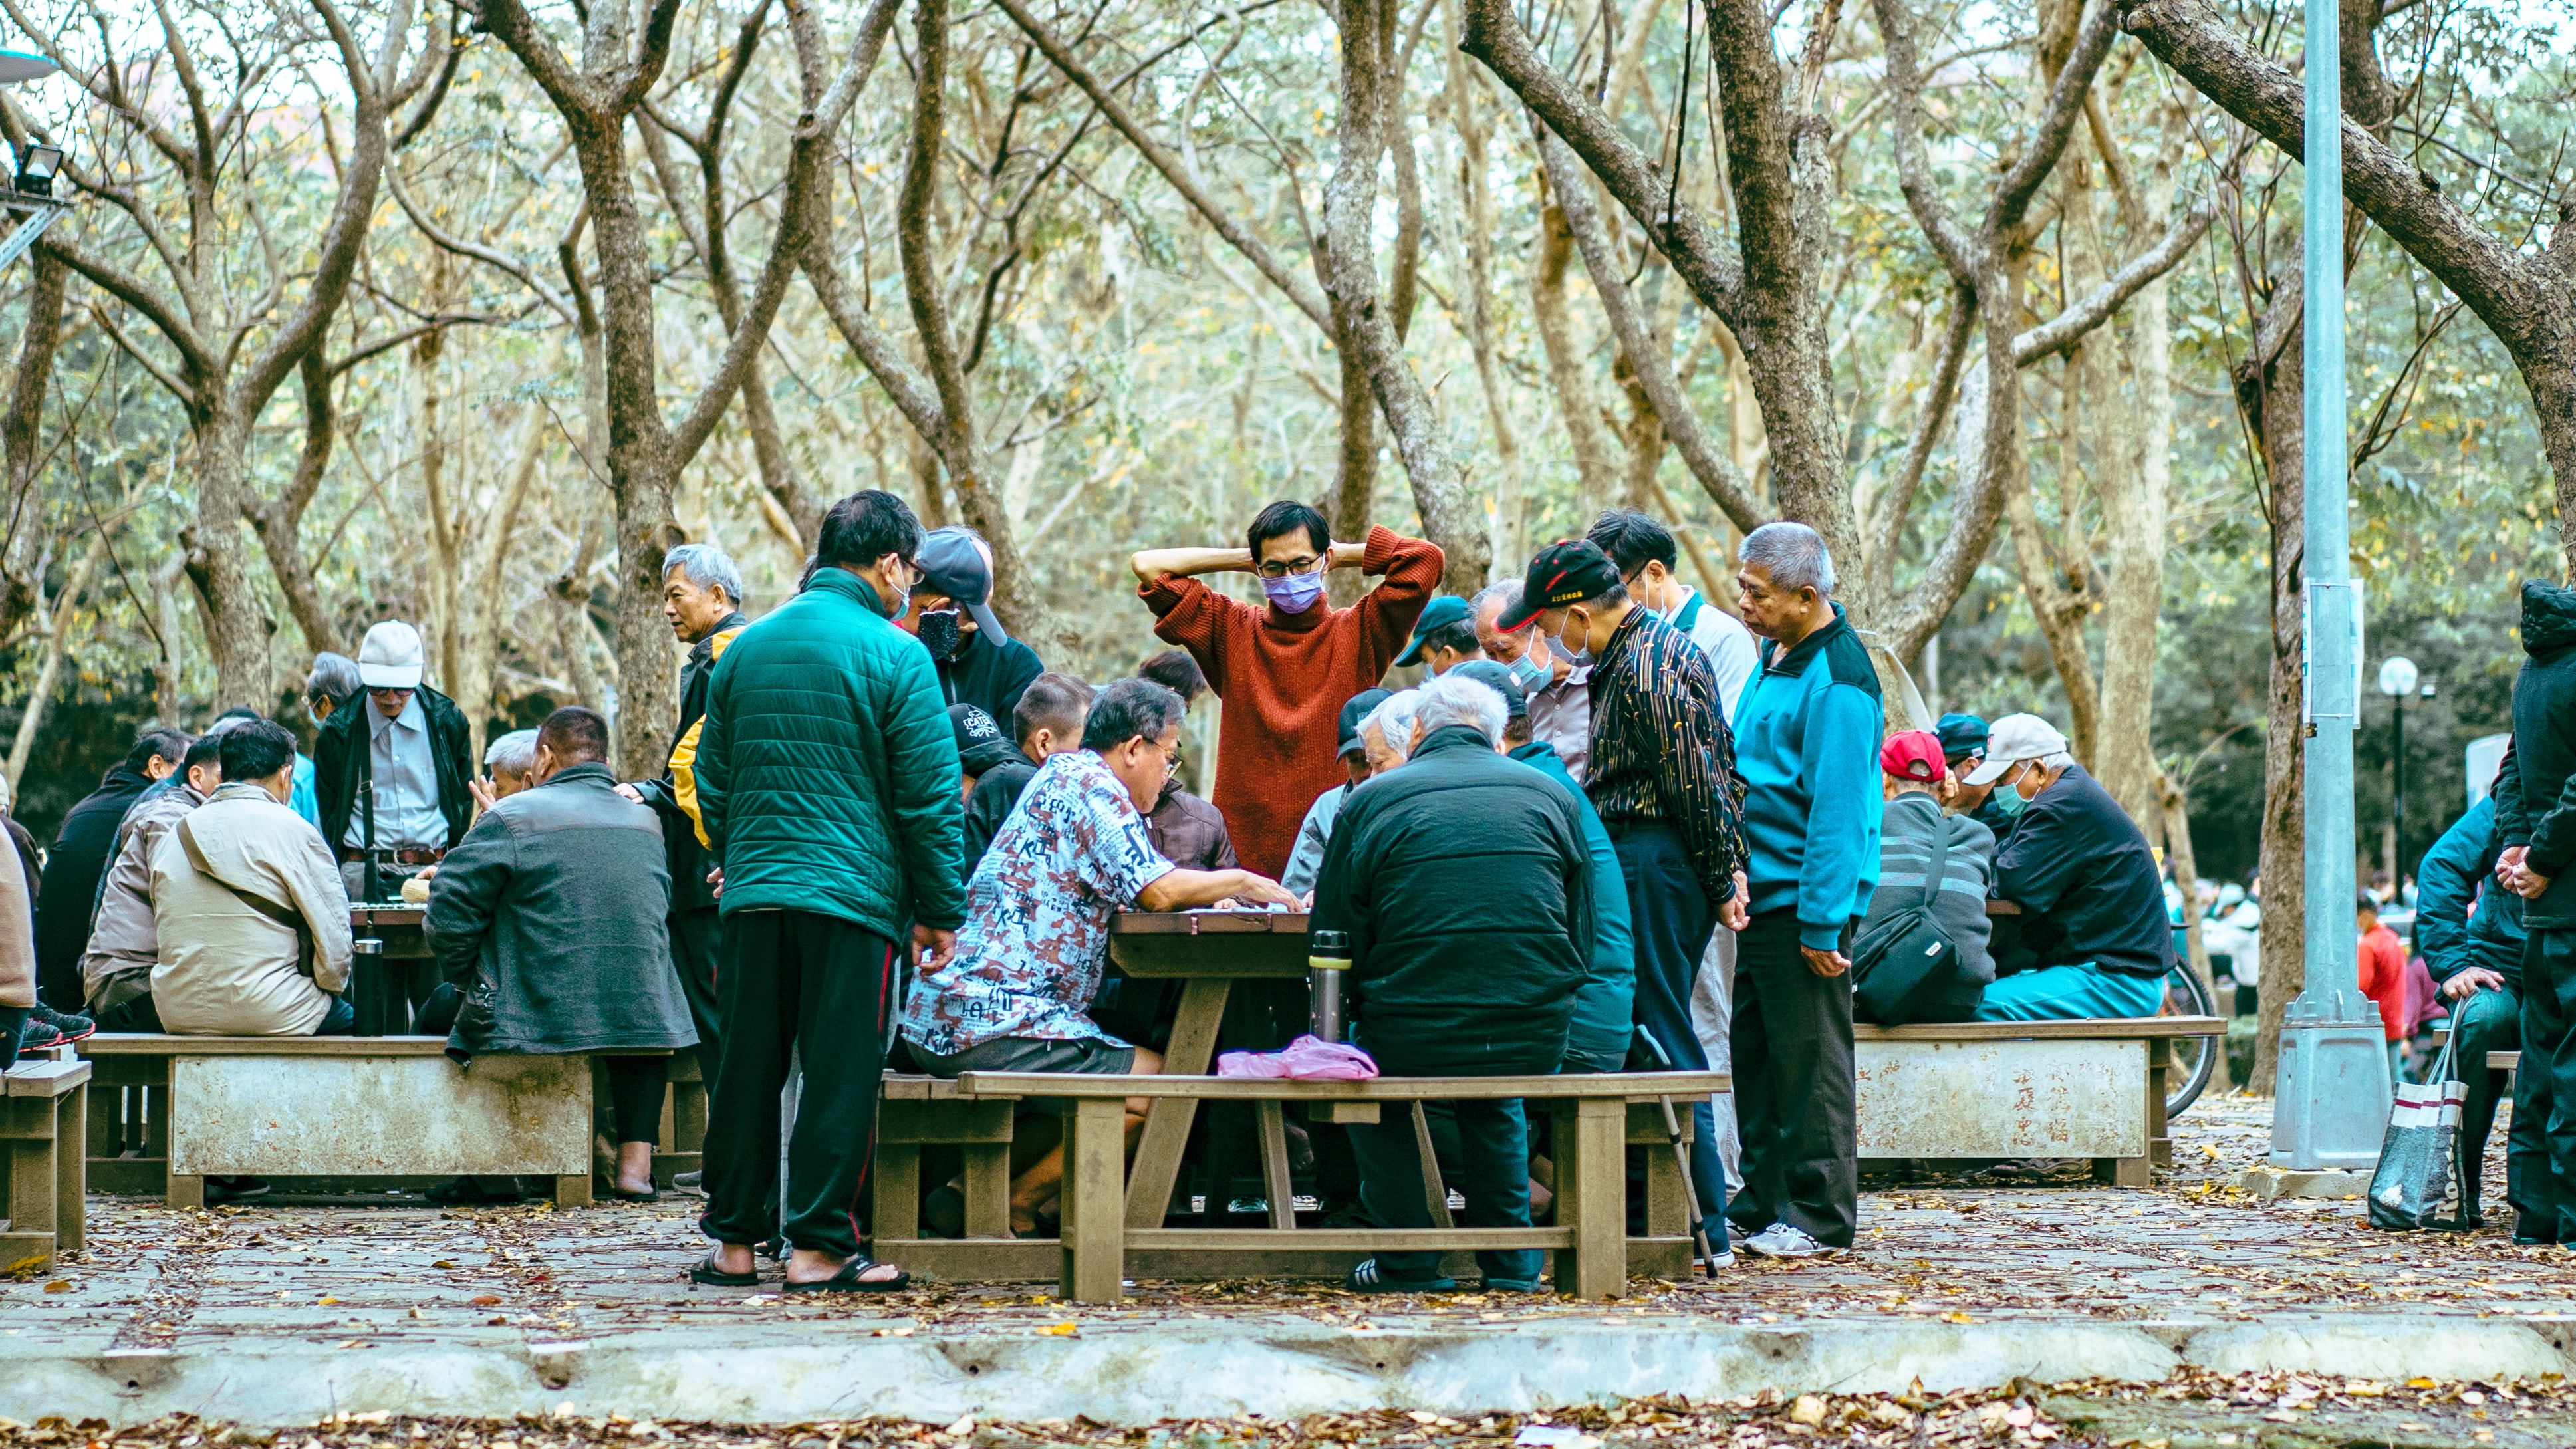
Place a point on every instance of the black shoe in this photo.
(72, 1025)
(220, 1189)
(36, 1036)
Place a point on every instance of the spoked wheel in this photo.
(2195, 1058)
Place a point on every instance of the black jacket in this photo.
(2086, 883)
(1465, 885)
(2541, 812)
(682, 855)
(341, 764)
(989, 804)
(992, 677)
(70, 885)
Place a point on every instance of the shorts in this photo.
(1089, 1056)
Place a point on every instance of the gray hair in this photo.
(514, 753)
(1453, 700)
(334, 677)
(1508, 593)
(1793, 554)
(1393, 719)
(2058, 761)
(706, 566)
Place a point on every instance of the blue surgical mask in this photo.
(2008, 800)
(1294, 593)
(1531, 674)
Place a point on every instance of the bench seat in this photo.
(43, 1186)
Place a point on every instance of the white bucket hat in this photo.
(391, 657)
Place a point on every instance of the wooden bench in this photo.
(42, 1184)
(2014, 1089)
(1593, 1126)
(2504, 1061)
(339, 1106)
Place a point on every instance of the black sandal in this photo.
(706, 1271)
(848, 1280)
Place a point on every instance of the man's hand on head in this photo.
(1825, 963)
(2470, 982)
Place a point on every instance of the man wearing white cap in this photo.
(2095, 941)
(412, 764)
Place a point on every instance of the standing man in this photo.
(69, 890)
(2538, 820)
(1663, 780)
(826, 781)
(1283, 671)
(1556, 689)
(1807, 736)
(332, 683)
(702, 598)
(952, 615)
(411, 753)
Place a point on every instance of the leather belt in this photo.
(406, 856)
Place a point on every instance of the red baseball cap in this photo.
(1913, 755)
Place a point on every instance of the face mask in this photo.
(1530, 672)
(2008, 801)
(938, 632)
(1294, 593)
(1577, 653)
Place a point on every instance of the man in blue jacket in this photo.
(2536, 809)
(1806, 742)
(2469, 929)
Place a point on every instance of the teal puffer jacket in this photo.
(827, 773)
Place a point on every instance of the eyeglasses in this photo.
(1171, 766)
(1282, 568)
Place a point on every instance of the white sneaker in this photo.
(1783, 1241)
(1725, 1258)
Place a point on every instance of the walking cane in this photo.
(1657, 1059)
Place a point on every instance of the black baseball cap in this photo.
(1567, 572)
(951, 564)
(1347, 730)
(1498, 678)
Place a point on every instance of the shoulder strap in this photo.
(285, 916)
(1933, 873)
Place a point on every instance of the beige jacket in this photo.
(17, 934)
(225, 968)
(117, 965)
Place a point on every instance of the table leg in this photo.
(988, 1187)
(896, 1191)
(1167, 1124)
(1435, 1191)
(186, 1190)
(28, 1134)
(2159, 1074)
(1275, 1184)
(1592, 1196)
(1095, 1230)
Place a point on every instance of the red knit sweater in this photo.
(1284, 679)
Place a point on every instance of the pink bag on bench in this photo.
(1307, 1059)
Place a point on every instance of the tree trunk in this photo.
(1476, 214)
(236, 627)
(50, 623)
(1596, 468)
(19, 589)
(2268, 389)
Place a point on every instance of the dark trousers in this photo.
(134, 1014)
(1793, 1086)
(1673, 921)
(694, 939)
(1493, 1175)
(635, 1086)
(816, 986)
(2545, 1086)
(2491, 1021)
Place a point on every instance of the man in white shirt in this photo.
(406, 752)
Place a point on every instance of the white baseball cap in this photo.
(391, 657)
(2011, 740)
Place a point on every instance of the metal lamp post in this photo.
(30, 197)
(2397, 680)
(2331, 1094)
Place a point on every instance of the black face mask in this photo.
(938, 632)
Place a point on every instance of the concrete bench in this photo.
(344, 1106)
(42, 1185)
(2014, 1089)
(1593, 1127)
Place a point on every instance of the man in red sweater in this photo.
(2383, 980)
(1284, 670)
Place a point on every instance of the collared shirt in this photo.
(406, 781)
(1030, 957)
(1732, 655)
(1561, 714)
(1661, 750)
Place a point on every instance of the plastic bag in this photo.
(2412, 1183)
(1307, 1059)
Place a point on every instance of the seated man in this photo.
(2470, 929)
(248, 910)
(1029, 958)
(510, 761)
(980, 745)
(1917, 777)
(1465, 885)
(2094, 939)
(116, 969)
(548, 916)
(1316, 830)
(1047, 719)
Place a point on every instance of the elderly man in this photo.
(83, 850)
(1963, 747)
(332, 683)
(1807, 735)
(549, 916)
(1662, 776)
(1283, 671)
(2536, 819)
(124, 945)
(1031, 956)
(391, 779)
(1046, 722)
(826, 783)
(1912, 830)
(952, 615)
(2095, 940)
(509, 762)
(250, 917)
(1443, 638)
(2469, 928)
(1648, 559)
(1557, 690)
(1316, 830)
(1465, 886)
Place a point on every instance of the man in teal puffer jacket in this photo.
(826, 783)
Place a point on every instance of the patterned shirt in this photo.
(1030, 956)
(1661, 750)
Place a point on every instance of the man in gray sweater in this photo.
(1915, 780)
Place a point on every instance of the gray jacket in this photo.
(116, 967)
(549, 916)
(1905, 841)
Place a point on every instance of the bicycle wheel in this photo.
(2195, 1058)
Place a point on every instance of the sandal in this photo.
(848, 1280)
(705, 1271)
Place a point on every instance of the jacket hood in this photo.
(2548, 618)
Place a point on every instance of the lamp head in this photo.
(37, 164)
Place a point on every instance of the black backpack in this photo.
(1896, 962)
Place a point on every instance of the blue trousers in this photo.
(1493, 1174)
(2491, 1021)
(2071, 993)
(1673, 921)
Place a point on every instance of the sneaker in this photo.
(1366, 1278)
(1722, 1255)
(1736, 1236)
(71, 1024)
(1511, 1285)
(1783, 1241)
(689, 1181)
(36, 1036)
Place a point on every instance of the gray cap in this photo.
(952, 563)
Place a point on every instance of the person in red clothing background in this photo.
(1284, 670)
(2383, 980)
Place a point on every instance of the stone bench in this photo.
(1593, 1128)
(2014, 1089)
(341, 1107)
(42, 1185)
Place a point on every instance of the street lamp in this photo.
(37, 163)
(2397, 680)
(30, 198)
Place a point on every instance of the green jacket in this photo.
(1604, 1024)
(827, 773)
